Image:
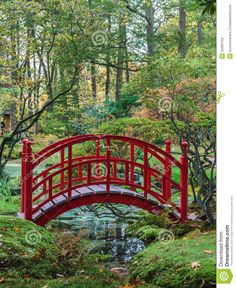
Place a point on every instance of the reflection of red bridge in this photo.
(107, 174)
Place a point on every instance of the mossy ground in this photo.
(32, 256)
(25, 248)
(88, 280)
(188, 262)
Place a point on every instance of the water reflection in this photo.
(108, 234)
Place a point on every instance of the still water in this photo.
(108, 234)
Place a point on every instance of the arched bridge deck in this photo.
(84, 170)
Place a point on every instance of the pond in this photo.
(107, 235)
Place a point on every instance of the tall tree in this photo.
(149, 12)
(182, 29)
(108, 69)
(92, 65)
(200, 32)
(120, 57)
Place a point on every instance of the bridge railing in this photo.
(74, 171)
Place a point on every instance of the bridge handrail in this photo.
(56, 147)
(58, 143)
(97, 160)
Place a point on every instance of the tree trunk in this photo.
(149, 11)
(108, 69)
(63, 85)
(182, 29)
(92, 67)
(36, 91)
(14, 66)
(126, 58)
(75, 93)
(93, 81)
(200, 32)
(13, 55)
(29, 75)
(120, 58)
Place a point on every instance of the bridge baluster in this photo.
(108, 156)
(184, 182)
(62, 166)
(80, 169)
(50, 187)
(44, 182)
(89, 172)
(132, 165)
(69, 180)
(23, 160)
(127, 172)
(115, 170)
(97, 170)
(166, 183)
(145, 172)
(28, 197)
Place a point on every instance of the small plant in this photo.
(5, 191)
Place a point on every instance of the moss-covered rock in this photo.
(26, 248)
(179, 263)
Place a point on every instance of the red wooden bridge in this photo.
(115, 169)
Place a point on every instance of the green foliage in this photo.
(149, 233)
(145, 129)
(9, 187)
(150, 227)
(55, 124)
(172, 264)
(16, 153)
(209, 6)
(122, 107)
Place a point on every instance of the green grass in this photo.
(170, 265)
(9, 206)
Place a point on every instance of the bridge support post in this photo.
(108, 156)
(184, 182)
(166, 184)
(97, 165)
(23, 161)
(28, 197)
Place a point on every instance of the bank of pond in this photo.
(80, 249)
